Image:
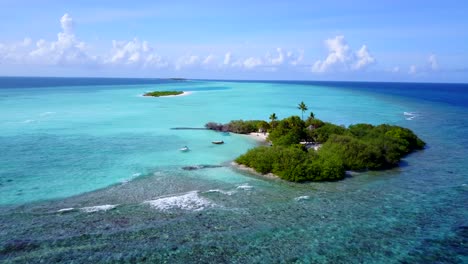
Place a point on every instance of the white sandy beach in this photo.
(182, 94)
(262, 137)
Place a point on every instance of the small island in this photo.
(163, 93)
(314, 150)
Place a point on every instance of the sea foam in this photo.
(300, 198)
(28, 121)
(46, 113)
(92, 209)
(245, 187)
(190, 201)
(66, 210)
(220, 191)
(410, 115)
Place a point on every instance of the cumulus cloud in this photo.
(363, 58)
(341, 57)
(412, 69)
(276, 60)
(433, 64)
(227, 58)
(187, 61)
(210, 59)
(67, 24)
(268, 62)
(295, 58)
(14, 52)
(65, 50)
(284, 58)
(135, 52)
(252, 62)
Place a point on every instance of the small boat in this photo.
(184, 149)
(218, 142)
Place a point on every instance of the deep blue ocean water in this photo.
(90, 171)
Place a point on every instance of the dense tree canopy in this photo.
(163, 93)
(358, 147)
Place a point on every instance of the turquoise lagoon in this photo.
(99, 147)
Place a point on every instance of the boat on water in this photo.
(218, 142)
(184, 149)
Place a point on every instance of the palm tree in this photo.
(312, 116)
(273, 117)
(303, 108)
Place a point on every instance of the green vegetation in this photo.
(303, 108)
(293, 163)
(163, 93)
(358, 147)
(240, 126)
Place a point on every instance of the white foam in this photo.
(47, 113)
(410, 115)
(220, 191)
(245, 187)
(65, 210)
(190, 201)
(92, 209)
(28, 121)
(300, 198)
(124, 181)
(136, 174)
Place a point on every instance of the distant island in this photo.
(314, 150)
(163, 93)
(178, 79)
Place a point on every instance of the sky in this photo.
(415, 41)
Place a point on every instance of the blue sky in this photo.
(423, 41)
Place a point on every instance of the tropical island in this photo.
(314, 150)
(163, 93)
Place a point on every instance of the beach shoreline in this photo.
(257, 136)
(240, 167)
(182, 94)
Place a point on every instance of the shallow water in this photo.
(110, 158)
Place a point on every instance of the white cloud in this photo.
(252, 62)
(187, 61)
(412, 69)
(363, 58)
(227, 58)
(268, 62)
(67, 24)
(341, 58)
(276, 60)
(65, 50)
(294, 59)
(210, 59)
(134, 52)
(26, 42)
(433, 64)
(284, 58)
(395, 69)
(14, 52)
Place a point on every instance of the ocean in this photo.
(91, 171)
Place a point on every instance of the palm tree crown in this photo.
(303, 108)
(273, 117)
